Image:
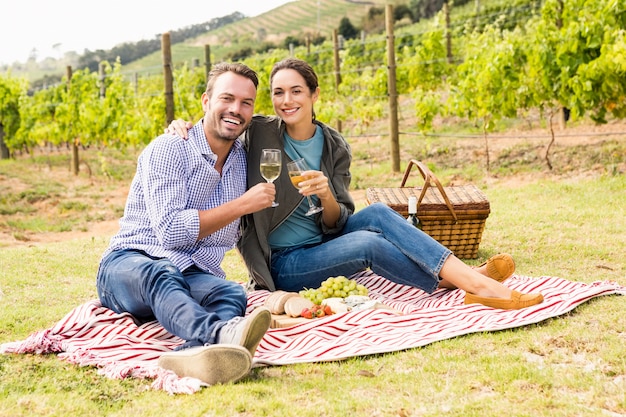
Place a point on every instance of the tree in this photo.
(292, 40)
(401, 11)
(347, 29)
(424, 9)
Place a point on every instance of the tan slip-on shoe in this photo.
(213, 364)
(500, 266)
(516, 302)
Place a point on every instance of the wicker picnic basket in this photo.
(454, 215)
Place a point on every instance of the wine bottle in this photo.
(412, 218)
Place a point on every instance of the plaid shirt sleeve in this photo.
(175, 179)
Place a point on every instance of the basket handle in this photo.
(429, 178)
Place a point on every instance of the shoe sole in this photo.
(494, 272)
(256, 326)
(214, 364)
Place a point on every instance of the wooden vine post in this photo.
(4, 150)
(74, 162)
(102, 78)
(337, 66)
(166, 50)
(207, 61)
(392, 93)
(446, 10)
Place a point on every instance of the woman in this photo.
(285, 249)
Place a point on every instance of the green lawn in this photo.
(568, 366)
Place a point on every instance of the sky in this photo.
(76, 26)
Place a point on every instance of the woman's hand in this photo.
(178, 127)
(315, 183)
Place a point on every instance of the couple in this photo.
(183, 213)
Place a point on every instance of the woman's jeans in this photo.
(376, 237)
(192, 304)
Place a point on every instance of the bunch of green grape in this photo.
(340, 287)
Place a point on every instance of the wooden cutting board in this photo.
(283, 320)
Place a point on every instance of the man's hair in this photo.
(225, 67)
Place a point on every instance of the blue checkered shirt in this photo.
(175, 178)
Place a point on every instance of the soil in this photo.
(111, 198)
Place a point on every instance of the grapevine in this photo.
(567, 55)
(340, 287)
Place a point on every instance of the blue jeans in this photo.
(376, 237)
(192, 304)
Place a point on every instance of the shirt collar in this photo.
(199, 139)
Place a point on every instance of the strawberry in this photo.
(307, 313)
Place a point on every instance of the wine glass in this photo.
(270, 166)
(296, 168)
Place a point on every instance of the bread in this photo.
(276, 301)
(295, 305)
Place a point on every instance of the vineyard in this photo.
(489, 88)
(477, 69)
(290, 18)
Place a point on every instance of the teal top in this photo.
(300, 229)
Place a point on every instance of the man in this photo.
(181, 216)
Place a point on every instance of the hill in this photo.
(315, 17)
(299, 17)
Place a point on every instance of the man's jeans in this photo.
(376, 237)
(192, 305)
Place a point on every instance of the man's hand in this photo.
(256, 198)
(259, 197)
(178, 127)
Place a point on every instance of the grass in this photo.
(40, 195)
(567, 223)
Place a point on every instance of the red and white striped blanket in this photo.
(92, 335)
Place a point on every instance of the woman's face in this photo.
(292, 99)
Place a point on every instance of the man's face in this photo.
(228, 112)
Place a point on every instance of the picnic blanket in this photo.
(92, 335)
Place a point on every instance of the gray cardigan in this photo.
(267, 132)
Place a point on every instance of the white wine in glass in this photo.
(296, 168)
(270, 166)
